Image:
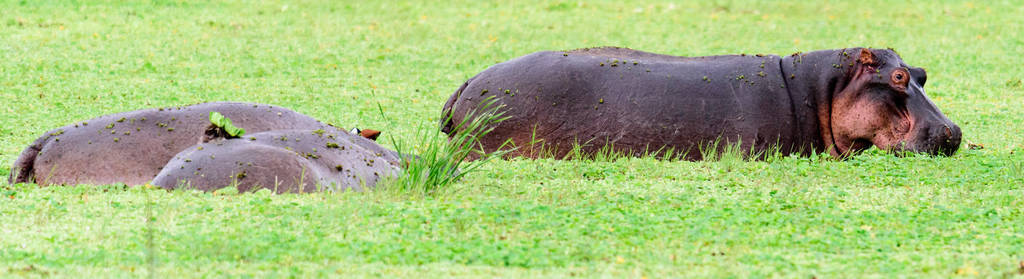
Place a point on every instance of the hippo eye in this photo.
(900, 77)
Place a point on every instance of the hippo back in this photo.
(132, 147)
(283, 161)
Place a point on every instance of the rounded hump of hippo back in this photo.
(283, 161)
(247, 167)
(132, 147)
(258, 117)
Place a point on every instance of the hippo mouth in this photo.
(857, 146)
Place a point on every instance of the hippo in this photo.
(132, 147)
(838, 102)
(297, 161)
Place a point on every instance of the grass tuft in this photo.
(433, 163)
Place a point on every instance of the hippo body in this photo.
(132, 147)
(641, 103)
(283, 161)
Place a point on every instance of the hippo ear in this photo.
(919, 75)
(867, 58)
(369, 133)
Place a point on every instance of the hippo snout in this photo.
(948, 136)
(942, 138)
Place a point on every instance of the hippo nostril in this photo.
(949, 133)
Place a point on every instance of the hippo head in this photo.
(884, 104)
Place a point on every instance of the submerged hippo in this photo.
(837, 101)
(283, 161)
(132, 147)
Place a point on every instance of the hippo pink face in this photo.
(884, 104)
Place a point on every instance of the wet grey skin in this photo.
(132, 147)
(833, 101)
(296, 161)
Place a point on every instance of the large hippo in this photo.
(837, 101)
(283, 161)
(132, 147)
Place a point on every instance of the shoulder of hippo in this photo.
(796, 68)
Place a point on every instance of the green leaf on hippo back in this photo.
(223, 122)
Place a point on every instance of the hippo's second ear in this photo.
(919, 75)
(369, 133)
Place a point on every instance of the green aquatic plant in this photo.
(223, 122)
